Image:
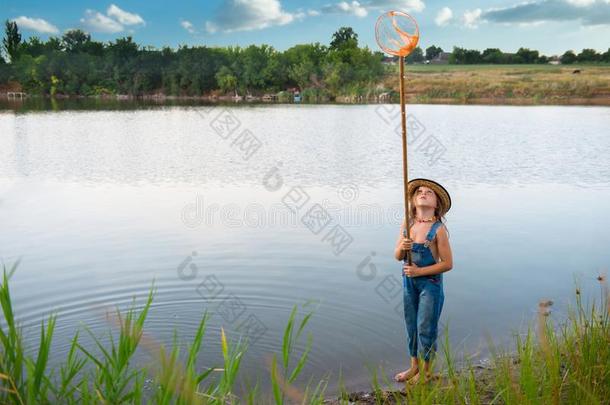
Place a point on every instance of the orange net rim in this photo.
(413, 38)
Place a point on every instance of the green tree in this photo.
(493, 56)
(343, 38)
(254, 60)
(275, 73)
(304, 65)
(123, 49)
(226, 80)
(465, 56)
(53, 44)
(336, 75)
(568, 58)
(301, 73)
(75, 40)
(12, 40)
(417, 56)
(433, 51)
(457, 56)
(30, 73)
(528, 55)
(5, 71)
(33, 47)
(122, 60)
(473, 56)
(75, 64)
(588, 55)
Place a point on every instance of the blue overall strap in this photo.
(432, 233)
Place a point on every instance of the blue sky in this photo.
(551, 26)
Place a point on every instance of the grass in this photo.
(567, 363)
(504, 84)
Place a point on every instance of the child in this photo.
(423, 281)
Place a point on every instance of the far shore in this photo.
(583, 85)
(598, 100)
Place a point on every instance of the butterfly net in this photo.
(396, 33)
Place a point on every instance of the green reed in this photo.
(567, 363)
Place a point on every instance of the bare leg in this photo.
(410, 373)
(427, 371)
(428, 374)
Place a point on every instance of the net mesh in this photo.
(396, 33)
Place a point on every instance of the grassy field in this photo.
(568, 363)
(505, 84)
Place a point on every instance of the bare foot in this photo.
(407, 374)
(431, 377)
(415, 379)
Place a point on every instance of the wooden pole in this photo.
(403, 117)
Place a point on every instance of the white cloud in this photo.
(112, 22)
(123, 16)
(187, 25)
(587, 12)
(362, 9)
(352, 8)
(402, 5)
(443, 17)
(581, 3)
(343, 7)
(472, 18)
(299, 14)
(36, 24)
(98, 22)
(247, 15)
(244, 15)
(211, 27)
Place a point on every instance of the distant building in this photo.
(389, 60)
(440, 59)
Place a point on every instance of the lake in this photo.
(245, 211)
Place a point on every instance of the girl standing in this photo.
(423, 280)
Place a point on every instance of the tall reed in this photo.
(567, 363)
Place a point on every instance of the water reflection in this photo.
(98, 203)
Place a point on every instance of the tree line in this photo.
(463, 56)
(74, 64)
(77, 65)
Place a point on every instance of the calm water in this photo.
(209, 202)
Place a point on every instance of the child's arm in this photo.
(402, 244)
(445, 255)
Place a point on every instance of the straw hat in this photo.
(440, 191)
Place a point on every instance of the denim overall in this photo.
(423, 300)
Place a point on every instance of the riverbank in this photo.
(506, 84)
(586, 85)
(483, 376)
(568, 363)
